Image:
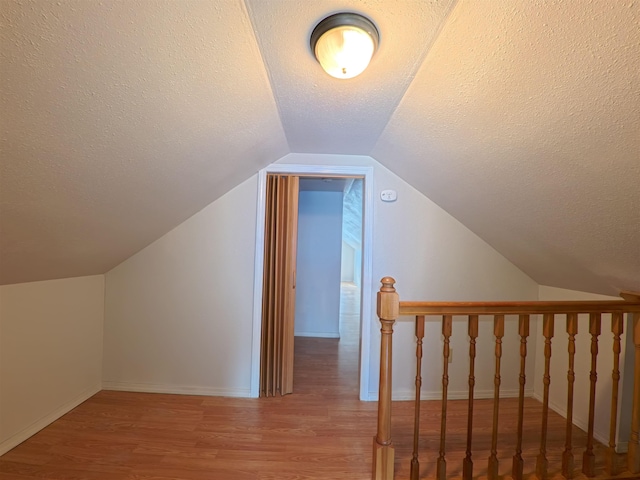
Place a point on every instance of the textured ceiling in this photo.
(322, 114)
(524, 123)
(120, 119)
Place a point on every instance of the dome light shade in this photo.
(344, 44)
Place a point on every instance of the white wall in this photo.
(179, 312)
(560, 365)
(318, 264)
(433, 256)
(50, 352)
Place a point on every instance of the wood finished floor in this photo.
(322, 431)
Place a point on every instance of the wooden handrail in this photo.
(390, 309)
(517, 308)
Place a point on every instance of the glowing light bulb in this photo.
(344, 52)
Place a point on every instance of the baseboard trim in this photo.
(405, 395)
(38, 425)
(621, 447)
(176, 390)
(317, 334)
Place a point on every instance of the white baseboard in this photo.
(41, 423)
(404, 395)
(602, 437)
(318, 334)
(176, 389)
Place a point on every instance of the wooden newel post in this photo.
(633, 457)
(383, 450)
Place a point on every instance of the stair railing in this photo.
(390, 309)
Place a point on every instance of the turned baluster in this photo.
(383, 451)
(542, 464)
(567, 455)
(415, 464)
(441, 470)
(467, 464)
(498, 331)
(611, 457)
(589, 458)
(518, 462)
(633, 457)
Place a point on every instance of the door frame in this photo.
(366, 319)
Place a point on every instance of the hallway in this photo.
(328, 362)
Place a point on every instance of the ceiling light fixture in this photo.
(344, 44)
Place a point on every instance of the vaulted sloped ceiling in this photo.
(120, 119)
(523, 122)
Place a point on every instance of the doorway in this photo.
(329, 254)
(327, 297)
(364, 272)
